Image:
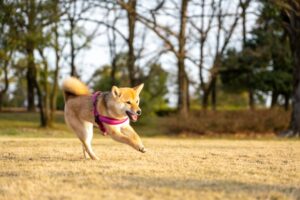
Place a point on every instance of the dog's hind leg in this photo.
(88, 139)
(84, 131)
(87, 142)
(89, 150)
(84, 151)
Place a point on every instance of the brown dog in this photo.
(119, 104)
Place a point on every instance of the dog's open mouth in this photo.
(132, 116)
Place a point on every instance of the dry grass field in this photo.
(40, 168)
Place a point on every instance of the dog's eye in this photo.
(128, 102)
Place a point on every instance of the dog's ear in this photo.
(116, 92)
(139, 88)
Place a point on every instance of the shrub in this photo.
(200, 122)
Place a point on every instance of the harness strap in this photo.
(99, 119)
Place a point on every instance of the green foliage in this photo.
(27, 22)
(60, 103)
(155, 89)
(19, 93)
(264, 64)
(101, 79)
(232, 101)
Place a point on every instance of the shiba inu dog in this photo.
(112, 111)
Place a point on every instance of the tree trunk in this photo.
(292, 25)
(206, 92)
(45, 115)
(113, 71)
(183, 84)
(210, 87)
(182, 90)
(30, 46)
(1, 100)
(131, 16)
(205, 99)
(46, 100)
(43, 118)
(53, 99)
(251, 99)
(244, 5)
(295, 117)
(113, 54)
(31, 71)
(214, 95)
(73, 67)
(274, 99)
(6, 82)
(286, 102)
(34, 85)
(30, 76)
(53, 96)
(188, 93)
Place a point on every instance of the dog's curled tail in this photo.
(74, 87)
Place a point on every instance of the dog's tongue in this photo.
(134, 117)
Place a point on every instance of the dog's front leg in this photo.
(128, 136)
(130, 132)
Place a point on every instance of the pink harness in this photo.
(100, 119)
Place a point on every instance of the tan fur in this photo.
(75, 87)
(79, 113)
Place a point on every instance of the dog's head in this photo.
(126, 101)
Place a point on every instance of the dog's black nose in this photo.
(139, 112)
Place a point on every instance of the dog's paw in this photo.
(142, 149)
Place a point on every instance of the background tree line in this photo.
(216, 47)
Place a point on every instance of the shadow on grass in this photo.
(48, 159)
(228, 186)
